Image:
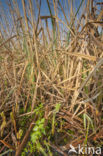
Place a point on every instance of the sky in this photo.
(44, 6)
(45, 10)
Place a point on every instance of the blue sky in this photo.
(44, 6)
(45, 10)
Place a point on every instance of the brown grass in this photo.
(38, 65)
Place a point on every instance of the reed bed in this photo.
(51, 77)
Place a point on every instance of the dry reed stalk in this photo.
(36, 70)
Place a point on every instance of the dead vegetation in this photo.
(52, 75)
